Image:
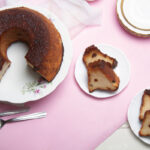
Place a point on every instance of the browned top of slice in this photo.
(92, 53)
(147, 92)
(105, 68)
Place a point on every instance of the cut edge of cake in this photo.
(145, 129)
(102, 77)
(145, 104)
(4, 68)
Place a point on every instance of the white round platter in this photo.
(133, 116)
(134, 15)
(20, 83)
(122, 70)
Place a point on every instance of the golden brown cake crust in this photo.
(92, 51)
(1, 63)
(45, 45)
(147, 92)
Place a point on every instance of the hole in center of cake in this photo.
(19, 72)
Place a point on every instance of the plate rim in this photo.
(112, 95)
(37, 8)
(132, 30)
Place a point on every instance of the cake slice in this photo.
(145, 129)
(102, 77)
(145, 104)
(93, 54)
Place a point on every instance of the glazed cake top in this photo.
(34, 24)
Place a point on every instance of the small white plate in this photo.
(133, 116)
(20, 83)
(135, 16)
(122, 70)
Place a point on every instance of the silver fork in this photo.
(13, 112)
(23, 118)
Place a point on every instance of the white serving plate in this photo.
(122, 70)
(135, 16)
(20, 83)
(133, 116)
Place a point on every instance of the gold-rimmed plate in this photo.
(134, 15)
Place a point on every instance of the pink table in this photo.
(75, 120)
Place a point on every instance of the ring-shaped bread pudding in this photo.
(45, 52)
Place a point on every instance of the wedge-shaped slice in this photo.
(145, 129)
(145, 104)
(102, 77)
(93, 54)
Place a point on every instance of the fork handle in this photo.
(28, 117)
(13, 112)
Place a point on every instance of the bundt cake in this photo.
(145, 104)
(45, 52)
(102, 77)
(92, 53)
(145, 129)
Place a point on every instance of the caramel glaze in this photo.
(45, 45)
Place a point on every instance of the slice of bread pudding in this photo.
(145, 104)
(145, 129)
(102, 77)
(93, 54)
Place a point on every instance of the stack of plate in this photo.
(134, 15)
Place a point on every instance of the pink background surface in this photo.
(76, 121)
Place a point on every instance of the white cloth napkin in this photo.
(75, 14)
